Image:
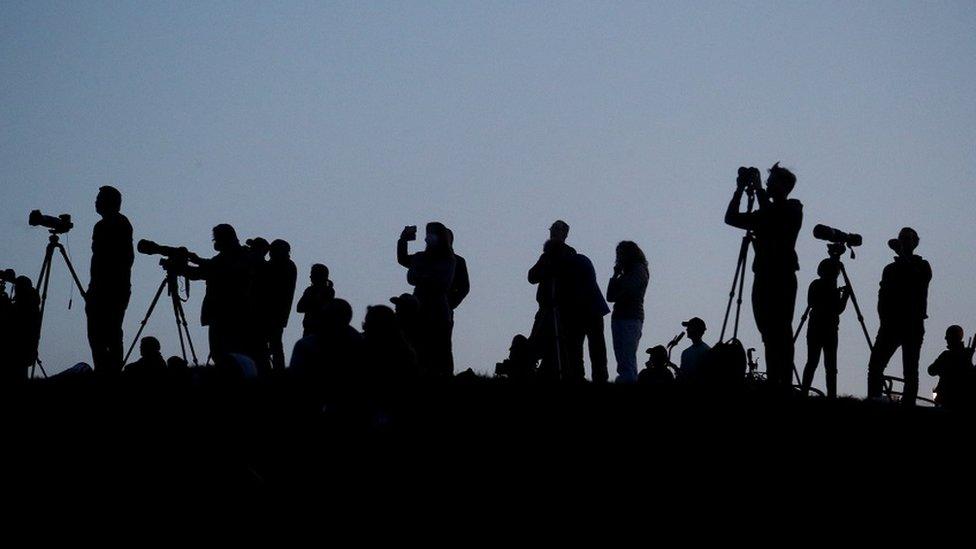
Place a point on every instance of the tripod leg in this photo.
(181, 324)
(739, 266)
(145, 320)
(857, 308)
(189, 341)
(42, 284)
(742, 283)
(71, 269)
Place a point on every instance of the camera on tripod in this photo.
(58, 225)
(8, 275)
(830, 234)
(174, 260)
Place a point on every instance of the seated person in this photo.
(151, 363)
(656, 374)
(955, 370)
(521, 362)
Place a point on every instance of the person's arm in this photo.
(938, 367)
(735, 218)
(812, 295)
(403, 257)
(460, 285)
(539, 271)
(613, 287)
(304, 301)
(845, 294)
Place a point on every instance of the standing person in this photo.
(110, 286)
(775, 227)
(316, 297)
(282, 277)
(693, 358)
(227, 304)
(460, 286)
(902, 308)
(955, 370)
(555, 334)
(25, 330)
(626, 291)
(590, 307)
(826, 302)
(431, 273)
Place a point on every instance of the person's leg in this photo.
(814, 346)
(597, 342)
(94, 334)
(571, 336)
(884, 347)
(544, 344)
(910, 351)
(114, 346)
(626, 339)
(830, 363)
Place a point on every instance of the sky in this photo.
(335, 124)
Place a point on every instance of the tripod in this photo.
(43, 279)
(171, 284)
(850, 291)
(738, 279)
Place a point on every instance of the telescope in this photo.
(57, 224)
(172, 258)
(830, 234)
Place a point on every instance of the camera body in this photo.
(8, 275)
(830, 234)
(749, 179)
(174, 259)
(56, 224)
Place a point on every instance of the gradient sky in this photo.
(333, 125)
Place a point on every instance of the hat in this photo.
(694, 323)
(404, 299)
(907, 232)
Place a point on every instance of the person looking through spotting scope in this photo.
(774, 229)
(826, 302)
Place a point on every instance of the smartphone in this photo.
(412, 232)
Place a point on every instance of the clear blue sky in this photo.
(333, 125)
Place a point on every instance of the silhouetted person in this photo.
(151, 365)
(280, 277)
(331, 356)
(460, 286)
(521, 362)
(826, 303)
(775, 227)
(955, 370)
(23, 331)
(555, 325)
(902, 308)
(431, 273)
(626, 291)
(316, 297)
(8, 374)
(407, 309)
(391, 361)
(109, 287)
(227, 306)
(694, 358)
(590, 308)
(656, 375)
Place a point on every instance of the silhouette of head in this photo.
(380, 323)
(149, 346)
(258, 246)
(630, 255)
(225, 238)
(406, 304)
(108, 201)
(780, 182)
(280, 250)
(559, 231)
(450, 237)
(906, 242)
(520, 347)
(437, 238)
(695, 328)
(828, 269)
(176, 363)
(954, 336)
(657, 357)
(319, 274)
(337, 314)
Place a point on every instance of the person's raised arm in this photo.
(736, 218)
(403, 256)
(540, 270)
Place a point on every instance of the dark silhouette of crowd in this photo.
(250, 295)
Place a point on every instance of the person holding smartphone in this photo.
(431, 273)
